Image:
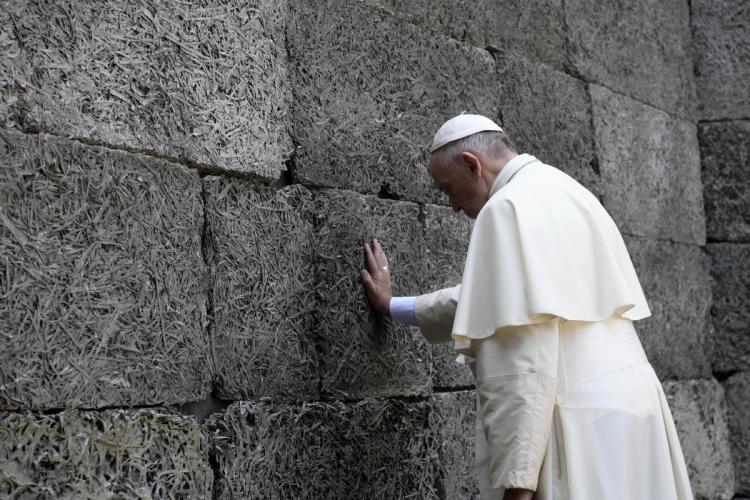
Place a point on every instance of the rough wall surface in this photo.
(641, 48)
(721, 39)
(186, 189)
(699, 414)
(346, 450)
(260, 251)
(650, 167)
(737, 389)
(102, 277)
(204, 82)
(103, 454)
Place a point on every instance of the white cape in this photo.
(542, 247)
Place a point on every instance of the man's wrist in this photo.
(401, 310)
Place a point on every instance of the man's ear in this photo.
(472, 162)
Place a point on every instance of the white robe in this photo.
(568, 404)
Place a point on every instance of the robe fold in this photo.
(568, 404)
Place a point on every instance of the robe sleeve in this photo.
(435, 312)
(516, 378)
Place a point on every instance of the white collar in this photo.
(509, 170)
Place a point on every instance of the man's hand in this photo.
(377, 278)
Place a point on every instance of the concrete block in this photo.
(204, 82)
(721, 48)
(364, 354)
(699, 413)
(103, 454)
(260, 251)
(488, 23)
(650, 169)
(725, 157)
(104, 293)
(370, 92)
(447, 239)
(730, 311)
(641, 48)
(737, 390)
(325, 450)
(548, 114)
(453, 420)
(676, 281)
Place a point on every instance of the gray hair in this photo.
(491, 143)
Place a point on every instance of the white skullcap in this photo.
(462, 126)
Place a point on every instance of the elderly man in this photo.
(568, 405)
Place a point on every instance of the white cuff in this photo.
(402, 310)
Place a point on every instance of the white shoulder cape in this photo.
(543, 246)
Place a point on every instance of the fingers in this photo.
(379, 254)
(367, 279)
(372, 264)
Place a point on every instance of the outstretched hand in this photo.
(377, 278)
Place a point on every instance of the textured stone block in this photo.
(102, 276)
(737, 390)
(370, 91)
(534, 28)
(453, 419)
(725, 157)
(260, 251)
(548, 114)
(730, 312)
(721, 47)
(676, 281)
(363, 353)
(699, 413)
(205, 82)
(650, 169)
(325, 450)
(447, 239)
(640, 48)
(107, 454)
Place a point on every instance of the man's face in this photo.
(462, 182)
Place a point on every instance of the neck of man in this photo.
(495, 166)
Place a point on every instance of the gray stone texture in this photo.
(676, 281)
(361, 352)
(548, 114)
(204, 82)
(326, 450)
(699, 413)
(370, 91)
(102, 276)
(447, 239)
(535, 28)
(453, 418)
(650, 168)
(730, 269)
(725, 158)
(103, 454)
(737, 391)
(260, 251)
(721, 41)
(641, 48)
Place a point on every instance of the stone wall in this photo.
(187, 187)
(721, 36)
